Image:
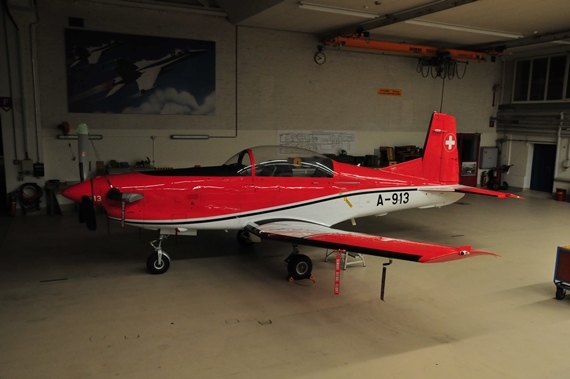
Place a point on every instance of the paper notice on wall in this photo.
(322, 141)
(389, 92)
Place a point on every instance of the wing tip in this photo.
(458, 253)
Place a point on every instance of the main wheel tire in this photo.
(560, 293)
(495, 186)
(300, 266)
(243, 238)
(152, 264)
(505, 186)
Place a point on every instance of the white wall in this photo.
(519, 149)
(279, 87)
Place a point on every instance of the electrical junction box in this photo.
(489, 157)
(27, 166)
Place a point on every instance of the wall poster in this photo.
(134, 74)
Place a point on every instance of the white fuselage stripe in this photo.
(328, 210)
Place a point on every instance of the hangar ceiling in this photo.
(522, 26)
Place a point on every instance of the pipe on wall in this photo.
(10, 76)
(32, 27)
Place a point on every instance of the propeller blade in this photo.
(83, 150)
(87, 213)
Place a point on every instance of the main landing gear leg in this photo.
(158, 262)
(299, 266)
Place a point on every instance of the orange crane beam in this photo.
(402, 48)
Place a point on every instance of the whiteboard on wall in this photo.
(322, 141)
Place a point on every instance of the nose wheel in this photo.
(158, 262)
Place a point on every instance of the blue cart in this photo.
(562, 271)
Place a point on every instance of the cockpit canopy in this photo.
(281, 161)
(278, 161)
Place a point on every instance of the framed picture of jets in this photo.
(134, 74)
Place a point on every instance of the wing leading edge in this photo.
(304, 233)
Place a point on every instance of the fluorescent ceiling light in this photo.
(467, 29)
(337, 10)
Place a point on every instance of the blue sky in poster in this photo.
(123, 73)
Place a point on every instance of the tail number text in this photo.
(394, 199)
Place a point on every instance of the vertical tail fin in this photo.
(440, 160)
(439, 163)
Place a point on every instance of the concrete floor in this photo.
(79, 304)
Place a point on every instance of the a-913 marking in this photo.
(395, 199)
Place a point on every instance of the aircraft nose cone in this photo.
(77, 191)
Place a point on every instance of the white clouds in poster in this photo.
(171, 101)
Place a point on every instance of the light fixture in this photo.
(74, 136)
(467, 29)
(189, 136)
(336, 10)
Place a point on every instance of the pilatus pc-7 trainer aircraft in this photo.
(287, 194)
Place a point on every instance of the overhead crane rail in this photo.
(402, 48)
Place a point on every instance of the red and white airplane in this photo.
(287, 194)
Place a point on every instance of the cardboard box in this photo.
(388, 151)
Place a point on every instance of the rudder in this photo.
(440, 160)
(439, 163)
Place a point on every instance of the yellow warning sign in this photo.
(389, 92)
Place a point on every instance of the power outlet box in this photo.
(27, 166)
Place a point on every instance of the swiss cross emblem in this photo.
(449, 142)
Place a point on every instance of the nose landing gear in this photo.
(158, 262)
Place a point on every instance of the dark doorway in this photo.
(468, 151)
(3, 195)
(543, 161)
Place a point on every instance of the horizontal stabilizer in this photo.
(486, 192)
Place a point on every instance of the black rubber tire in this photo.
(300, 266)
(505, 186)
(495, 186)
(152, 264)
(243, 238)
(560, 293)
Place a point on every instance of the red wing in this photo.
(304, 233)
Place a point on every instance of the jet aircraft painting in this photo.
(91, 54)
(137, 74)
(144, 73)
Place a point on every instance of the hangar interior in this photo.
(225, 76)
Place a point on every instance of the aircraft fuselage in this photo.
(179, 204)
